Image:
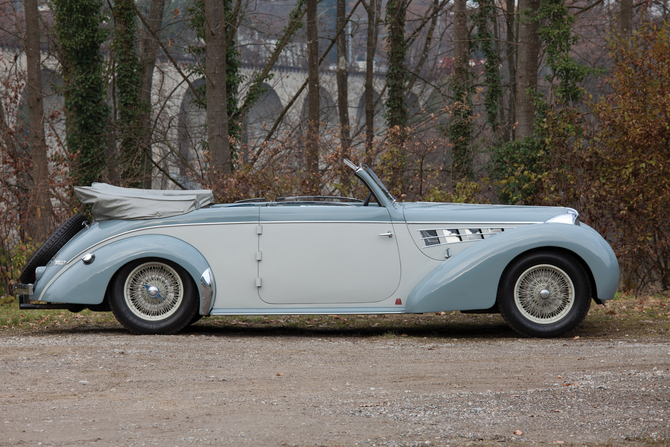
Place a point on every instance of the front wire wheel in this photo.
(544, 294)
(153, 297)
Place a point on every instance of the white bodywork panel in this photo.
(230, 250)
(327, 263)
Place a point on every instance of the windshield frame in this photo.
(379, 183)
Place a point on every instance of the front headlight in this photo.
(571, 218)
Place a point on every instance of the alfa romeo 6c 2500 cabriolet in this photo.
(160, 260)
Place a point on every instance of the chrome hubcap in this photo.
(153, 291)
(544, 294)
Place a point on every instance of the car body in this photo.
(538, 266)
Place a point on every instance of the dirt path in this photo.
(212, 386)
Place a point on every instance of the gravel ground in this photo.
(218, 387)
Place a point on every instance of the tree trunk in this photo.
(215, 71)
(461, 53)
(78, 30)
(527, 63)
(626, 19)
(312, 138)
(510, 55)
(372, 7)
(460, 128)
(342, 90)
(396, 82)
(128, 79)
(38, 147)
(149, 51)
(396, 78)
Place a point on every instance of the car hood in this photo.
(468, 213)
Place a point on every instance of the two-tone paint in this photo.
(322, 258)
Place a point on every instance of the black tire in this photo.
(49, 248)
(197, 317)
(137, 299)
(544, 294)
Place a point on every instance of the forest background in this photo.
(537, 102)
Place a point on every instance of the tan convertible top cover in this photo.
(114, 202)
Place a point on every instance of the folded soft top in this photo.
(114, 202)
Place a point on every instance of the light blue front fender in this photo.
(86, 284)
(470, 279)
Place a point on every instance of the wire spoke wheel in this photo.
(153, 291)
(544, 294)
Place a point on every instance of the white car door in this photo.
(326, 255)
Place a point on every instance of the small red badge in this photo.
(398, 302)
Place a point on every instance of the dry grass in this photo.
(626, 315)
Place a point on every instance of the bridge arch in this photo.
(260, 118)
(191, 132)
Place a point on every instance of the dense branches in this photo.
(480, 102)
(79, 38)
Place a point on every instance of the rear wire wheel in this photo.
(544, 294)
(153, 296)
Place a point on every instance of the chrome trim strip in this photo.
(385, 222)
(351, 164)
(206, 287)
(466, 224)
(312, 311)
(452, 243)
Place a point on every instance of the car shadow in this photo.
(433, 331)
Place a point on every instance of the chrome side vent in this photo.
(444, 236)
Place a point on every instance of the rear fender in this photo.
(80, 283)
(469, 280)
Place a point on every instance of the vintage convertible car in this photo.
(159, 260)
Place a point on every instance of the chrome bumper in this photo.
(23, 289)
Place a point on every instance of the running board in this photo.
(25, 304)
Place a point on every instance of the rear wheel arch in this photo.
(142, 312)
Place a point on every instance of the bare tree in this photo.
(312, 138)
(460, 128)
(510, 56)
(148, 60)
(373, 8)
(38, 147)
(342, 84)
(527, 64)
(626, 19)
(215, 71)
(461, 44)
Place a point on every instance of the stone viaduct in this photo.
(178, 122)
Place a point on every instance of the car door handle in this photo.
(388, 234)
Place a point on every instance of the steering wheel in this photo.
(367, 199)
